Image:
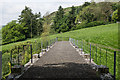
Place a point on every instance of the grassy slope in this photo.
(104, 34)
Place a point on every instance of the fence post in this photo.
(106, 57)
(18, 56)
(47, 44)
(41, 46)
(81, 47)
(90, 53)
(56, 39)
(77, 43)
(11, 57)
(24, 52)
(96, 54)
(114, 65)
(0, 65)
(74, 43)
(36, 45)
(31, 52)
(100, 56)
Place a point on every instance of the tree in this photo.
(86, 4)
(13, 32)
(71, 18)
(26, 18)
(106, 10)
(115, 16)
(58, 18)
(33, 22)
(38, 24)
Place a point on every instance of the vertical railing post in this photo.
(96, 54)
(47, 44)
(0, 65)
(77, 43)
(18, 56)
(50, 42)
(24, 52)
(81, 46)
(93, 52)
(74, 43)
(36, 45)
(31, 52)
(106, 57)
(41, 48)
(11, 57)
(56, 39)
(90, 53)
(114, 65)
(100, 56)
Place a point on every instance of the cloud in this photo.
(11, 9)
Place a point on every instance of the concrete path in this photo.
(62, 61)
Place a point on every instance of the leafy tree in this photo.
(58, 18)
(106, 10)
(26, 18)
(71, 18)
(38, 24)
(115, 16)
(86, 4)
(33, 22)
(13, 32)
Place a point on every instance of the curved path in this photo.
(62, 61)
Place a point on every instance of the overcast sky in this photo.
(11, 9)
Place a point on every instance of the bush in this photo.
(91, 24)
(12, 32)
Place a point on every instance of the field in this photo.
(106, 35)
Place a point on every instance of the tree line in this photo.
(28, 25)
(86, 15)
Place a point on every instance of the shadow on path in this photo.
(61, 70)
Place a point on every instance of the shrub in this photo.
(91, 24)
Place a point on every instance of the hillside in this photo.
(104, 34)
(93, 9)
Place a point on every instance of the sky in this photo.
(11, 9)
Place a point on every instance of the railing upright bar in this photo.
(81, 46)
(96, 54)
(100, 56)
(114, 65)
(77, 43)
(11, 57)
(106, 57)
(0, 65)
(31, 52)
(41, 48)
(90, 53)
(18, 56)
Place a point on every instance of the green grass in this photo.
(105, 35)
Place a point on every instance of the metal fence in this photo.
(101, 55)
(0, 64)
(63, 38)
(21, 54)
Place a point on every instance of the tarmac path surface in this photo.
(61, 61)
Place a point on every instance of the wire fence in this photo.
(101, 55)
(22, 54)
